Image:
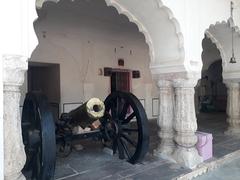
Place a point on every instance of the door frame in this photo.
(123, 70)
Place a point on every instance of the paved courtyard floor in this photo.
(216, 124)
(230, 171)
(94, 164)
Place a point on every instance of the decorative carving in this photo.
(176, 24)
(14, 67)
(165, 120)
(185, 123)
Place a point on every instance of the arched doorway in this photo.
(172, 45)
(211, 93)
(87, 38)
(212, 97)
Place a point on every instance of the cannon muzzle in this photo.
(87, 113)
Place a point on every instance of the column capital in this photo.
(164, 83)
(14, 67)
(232, 85)
(185, 83)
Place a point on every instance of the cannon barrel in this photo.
(126, 132)
(87, 113)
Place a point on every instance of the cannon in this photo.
(122, 126)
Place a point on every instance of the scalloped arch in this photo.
(176, 24)
(218, 45)
(230, 23)
(141, 27)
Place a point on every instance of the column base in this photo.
(187, 157)
(233, 131)
(164, 153)
(19, 176)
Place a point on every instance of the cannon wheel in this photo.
(38, 130)
(127, 126)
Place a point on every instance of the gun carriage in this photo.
(122, 126)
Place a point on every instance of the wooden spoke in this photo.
(120, 149)
(127, 138)
(129, 129)
(129, 118)
(124, 111)
(113, 110)
(114, 146)
(125, 149)
(119, 104)
(132, 136)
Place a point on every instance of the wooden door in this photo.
(120, 81)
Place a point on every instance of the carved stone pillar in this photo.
(14, 68)
(165, 120)
(185, 124)
(233, 109)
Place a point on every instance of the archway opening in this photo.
(91, 42)
(211, 96)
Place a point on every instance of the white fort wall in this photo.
(82, 44)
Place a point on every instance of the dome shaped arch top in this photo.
(158, 24)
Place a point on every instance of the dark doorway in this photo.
(120, 81)
(45, 78)
(212, 93)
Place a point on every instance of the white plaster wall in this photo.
(19, 37)
(180, 30)
(82, 42)
(159, 26)
(1, 119)
(1, 108)
(236, 11)
(195, 17)
(190, 19)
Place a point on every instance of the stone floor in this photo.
(215, 123)
(230, 171)
(92, 163)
